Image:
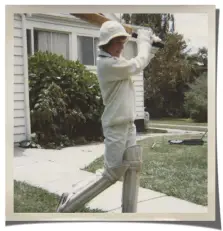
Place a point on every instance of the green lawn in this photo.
(177, 121)
(29, 199)
(176, 170)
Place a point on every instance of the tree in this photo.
(166, 78)
(198, 63)
(126, 18)
(196, 99)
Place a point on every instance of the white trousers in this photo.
(117, 139)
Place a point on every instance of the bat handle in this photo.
(155, 44)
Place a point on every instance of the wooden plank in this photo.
(139, 88)
(18, 79)
(19, 137)
(140, 93)
(18, 70)
(137, 77)
(18, 41)
(19, 104)
(139, 111)
(17, 32)
(138, 83)
(19, 88)
(17, 23)
(19, 122)
(19, 113)
(139, 98)
(18, 60)
(140, 104)
(137, 80)
(19, 130)
(18, 50)
(19, 96)
(17, 17)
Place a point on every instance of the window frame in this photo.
(91, 35)
(51, 31)
(48, 27)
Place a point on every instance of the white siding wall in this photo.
(19, 89)
(139, 89)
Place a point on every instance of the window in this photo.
(87, 50)
(29, 44)
(130, 50)
(55, 42)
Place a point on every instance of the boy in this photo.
(114, 75)
(122, 155)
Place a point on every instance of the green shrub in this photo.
(65, 101)
(196, 99)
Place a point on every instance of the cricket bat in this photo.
(99, 19)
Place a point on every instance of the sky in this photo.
(193, 27)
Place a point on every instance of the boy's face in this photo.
(116, 46)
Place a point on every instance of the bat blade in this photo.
(96, 19)
(99, 19)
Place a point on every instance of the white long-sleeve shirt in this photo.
(117, 89)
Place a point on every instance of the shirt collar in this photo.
(101, 52)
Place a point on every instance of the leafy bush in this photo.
(196, 99)
(65, 101)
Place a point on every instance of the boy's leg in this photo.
(73, 202)
(131, 180)
(115, 144)
(131, 135)
(115, 167)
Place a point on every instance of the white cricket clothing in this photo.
(117, 89)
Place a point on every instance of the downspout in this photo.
(26, 79)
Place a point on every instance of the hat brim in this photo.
(112, 37)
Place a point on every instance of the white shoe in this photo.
(65, 197)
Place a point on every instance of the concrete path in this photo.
(178, 125)
(59, 170)
(174, 131)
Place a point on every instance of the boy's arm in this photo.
(122, 67)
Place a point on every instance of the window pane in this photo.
(85, 50)
(60, 44)
(42, 41)
(29, 43)
(130, 50)
(55, 42)
(96, 41)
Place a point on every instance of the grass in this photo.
(177, 121)
(175, 170)
(30, 199)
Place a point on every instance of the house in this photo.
(77, 39)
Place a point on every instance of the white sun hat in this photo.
(110, 30)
